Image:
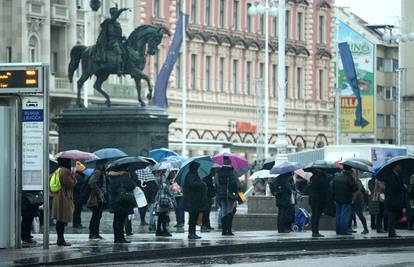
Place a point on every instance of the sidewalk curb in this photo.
(257, 246)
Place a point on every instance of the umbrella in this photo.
(303, 174)
(110, 153)
(286, 167)
(322, 165)
(357, 165)
(160, 153)
(362, 160)
(206, 164)
(268, 164)
(175, 158)
(407, 165)
(240, 171)
(76, 154)
(262, 174)
(165, 165)
(237, 162)
(150, 160)
(133, 163)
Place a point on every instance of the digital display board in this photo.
(28, 78)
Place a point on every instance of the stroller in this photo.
(302, 219)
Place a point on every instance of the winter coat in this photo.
(358, 197)
(282, 189)
(211, 188)
(194, 193)
(227, 187)
(77, 191)
(165, 193)
(318, 190)
(395, 192)
(95, 183)
(343, 187)
(29, 209)
(63, 200)
(120, 182)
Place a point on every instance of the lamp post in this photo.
(184, 84)
(266, 9)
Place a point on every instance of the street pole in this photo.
(266, 81)
(337, 89)
(400, 75)
(281, 143)
(184, 85)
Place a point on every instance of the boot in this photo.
(62, 242)
(230, 224)
(224, 226)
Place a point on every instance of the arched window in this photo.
(33, 49)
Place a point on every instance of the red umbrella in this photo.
(77, 155)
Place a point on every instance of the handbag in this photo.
(140, 197)
(34, 199)
(127, 198)
(241, 198)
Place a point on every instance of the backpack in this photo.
(85, 191)
(54, 183)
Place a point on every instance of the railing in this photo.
(61, 84)
(60, 12)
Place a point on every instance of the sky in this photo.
(374, 11)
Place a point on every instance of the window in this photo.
(394, 65)
(248, 77)
(178, 9)
(156, 64)
(380, 92)
(235, 71)
(208, 12)
(249, 19)
(208, 72)
(33, 49)
(9, 54)
(221, 74)
(299, 83)
(236, 14)
(156, 8)
(287, 78)
(388, 65)
(178, 72)
(80, 4)
(222, 13)
(321, 84)
(262, 24)
(393, 121)
(274, 26)
(388, 93)
(299, 26)
(261, 66)
(193, 71)
(321, 30)
(194, 11)
(287, 24)
(394, 93)
(380, 64)
(274, 81)
(380, 120)
(54, 63)
(387, 121)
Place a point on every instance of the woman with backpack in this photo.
(62, 203)
(165, 203)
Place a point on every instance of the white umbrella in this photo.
(303, 174)
(262, 174)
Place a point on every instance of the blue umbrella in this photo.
(286, 167)
(175, 158)
(110, 153)
(206, 163)
(160, 153)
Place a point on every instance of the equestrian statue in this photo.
(114, 54)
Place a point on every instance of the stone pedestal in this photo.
(133, 130)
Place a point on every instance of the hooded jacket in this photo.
(194, 190)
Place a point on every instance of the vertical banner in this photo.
(32, 136)
(357, 93)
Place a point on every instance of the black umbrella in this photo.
(357, 165)
(407, 166)
(268, 164)
(132, 163)
(323, 165)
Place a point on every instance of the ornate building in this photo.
(225, 57)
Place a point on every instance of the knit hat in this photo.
(80, 167)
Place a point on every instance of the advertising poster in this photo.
(379, 155)
(363, 55)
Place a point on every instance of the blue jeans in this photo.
(343, 216)
(179, 211)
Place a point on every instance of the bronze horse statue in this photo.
(143, 39)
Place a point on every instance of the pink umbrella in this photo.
(237, 162)
(76, 154)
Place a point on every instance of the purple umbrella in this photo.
(77, 155)
(237, 162)
(286, 167)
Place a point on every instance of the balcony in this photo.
(61, 85)
(60, 13)
(35, 9)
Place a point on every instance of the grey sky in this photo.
(374, 11)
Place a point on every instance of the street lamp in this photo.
(265, 8)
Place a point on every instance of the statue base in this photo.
(135, 131)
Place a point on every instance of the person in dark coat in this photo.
(318, 195)
(31, 200)
(120, 184)
(211, 193)
(77, 195)
(281, 187)
(227, 189)
(343, 188)
(96, 198)
(194, 198)
(395, 197)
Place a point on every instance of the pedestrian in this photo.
(122, 200)
(411, 197)
(165, 202)
(343, 188)
(96, 198)
(77, 194)
(227, 190)
(147, 183)
(259, 187)
(318, 196)
(282, 188)
(373, 206)
(179, 209)
(194, 197)
(395, 197)
(358, 204)
(63, 205)
(31, 200)
(379, 197)
(211, 193)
